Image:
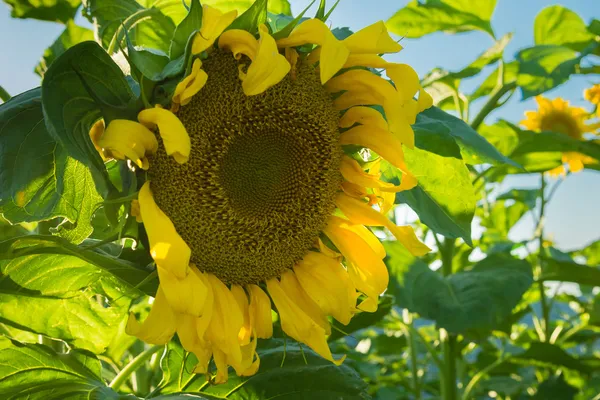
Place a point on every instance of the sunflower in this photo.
(558, 116)
(259, 191)
(593, 96)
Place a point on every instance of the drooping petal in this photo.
(239, 42)
(167, 248)
(214, 23)
(260, 312)
(250, 359)
(366, 269)
(297, 324)
(96, 132)
(333, 53)
(242, 300)
(364, 116)
(185, 295)
(369, 238)
(222, 368)
(326, 282)
(292, 287)
(406, 80)
(380, 141)
(373, 39)
(160, 324)
(365, 60)
(128, 139)
(174, 136)
(359, 212)
(191, 84)
(425, 100)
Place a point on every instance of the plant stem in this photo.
(477, 377)
(407, 318)
(135, 364)
(540, 235)
(4, 96)
(448, 340)
(491, 104)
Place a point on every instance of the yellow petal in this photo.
(160, 324)
(214, 23)
(191, 84)
(135, 210)
(406, 80)
(373, 39)
(364, 116)
(380, 141)
(226, 322)
(239, 42)
(292, 287)
(268, 68)
(186, 295)
(297, 324)
(187, 332)
(250, 359)
(242, 300)
(128, 139)
(260, 312)
(369, 238)
(96, 132)
(365, 60)
(359, 212)
(222, 368)
(326, 282)
(333, 53)
(166, 246)
(425, 100)
(174, 136)
(203, 322)
(352, 172)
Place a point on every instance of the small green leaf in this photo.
(420, 18)
(36, 372)
(557, 25)
(444, 199)
(475, 299)
(47, 10)
(147, 63)
(252, 18)
(72, 35)
(191, 23)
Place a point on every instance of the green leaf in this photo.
(148, 63)
(557, 25)
(47, 10)
(501, 136)
(570, 271)
(444, 199)
(81, 86)
(191, 23)
(546, 354)
(72, 35)
(545, 67)
(283, 25)
(38, 179)
(555, 388)
(526, 196)
(79, 320)
(274, 6)
(474, 148)
(476, 299)
(148, 27)
(252, 17)
(136, 279)
(362, 320)
(501, 220)
(594, 27)
(489, 84)
(420, 18)
(283, 373)
(36, 372)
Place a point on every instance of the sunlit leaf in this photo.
(546, 354)
(275, 6)
(47, 10)
(560, 26)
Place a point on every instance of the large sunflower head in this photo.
(558, 116)
(257, 191)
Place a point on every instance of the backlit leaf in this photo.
(47, 10)
(558, 25)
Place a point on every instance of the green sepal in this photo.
(190, 24)
(252, 18)
(289, 27)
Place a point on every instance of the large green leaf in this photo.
(533, 142)
(476, 299)
(147, 27)
(570, 271)
(35, 372)
(131, 275)
(555, 388)
(444, 199)
(38, 179)
(560, 26)
(546, 354)
(501, 136)
(285, 372)
(79, 87)
(420, 18)
(47, 10)
(547, 66)
(72, 35)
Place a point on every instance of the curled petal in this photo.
(260, 312)
(191, 84)
(186, 295)
(373, 39)
(166, 246)
(128, 139)
(364, 116)
(292, 287)
(380, 141)
(160, 324)
(359, 212)
(214, 23)
(239, 42)
(175, 138)
(297, 324)
(406, 80)
(425, 100)
(242, 300)
(365, 60)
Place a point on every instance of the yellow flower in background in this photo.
(558, 116)
(250, 200)
(593, 96)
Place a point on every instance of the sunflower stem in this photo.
(540, 235)
(407, 319)
(4, 96)
(134, 365)
(447, 339)
(492, 103)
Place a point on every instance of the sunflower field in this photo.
(304, 199)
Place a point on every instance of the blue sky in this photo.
(573, 217)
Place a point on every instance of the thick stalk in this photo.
(134, 365)
(448, 340)
(540, 235)
(491, 104)
(4, 96)
(407, 318)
